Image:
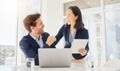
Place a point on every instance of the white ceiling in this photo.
(89, 3)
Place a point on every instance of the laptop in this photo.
(53, 57)
(78, 44)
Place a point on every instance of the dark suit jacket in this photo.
(30, 47)
(80, 34)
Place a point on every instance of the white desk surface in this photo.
(74, 67)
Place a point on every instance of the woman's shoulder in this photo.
(64, 27)
(83, 29)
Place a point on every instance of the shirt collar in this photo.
(35, 37)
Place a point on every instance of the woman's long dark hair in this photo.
(76, 11)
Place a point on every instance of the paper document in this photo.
(78, 44)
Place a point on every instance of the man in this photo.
(36, 38)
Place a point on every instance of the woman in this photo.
(73, 29)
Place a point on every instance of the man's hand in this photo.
(82, 51)
(50, 40)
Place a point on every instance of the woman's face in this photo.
(71, 18)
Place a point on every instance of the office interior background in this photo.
(101, 18)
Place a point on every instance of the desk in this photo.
(74, 67)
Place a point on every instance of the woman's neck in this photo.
(72, 29)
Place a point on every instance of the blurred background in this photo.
(101, 18)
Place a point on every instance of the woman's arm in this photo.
(59, 35)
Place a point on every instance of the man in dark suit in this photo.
(36, 37)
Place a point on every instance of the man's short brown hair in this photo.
(30, 21)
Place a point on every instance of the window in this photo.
(101, 18)
(8, 30)
(112, 34)
(25, 7)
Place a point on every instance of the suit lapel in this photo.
(67, 34)
(76, 35)
(79, 34)
(33, 42)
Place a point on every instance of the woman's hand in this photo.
(82, 51)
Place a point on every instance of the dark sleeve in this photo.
(28, 50)
(87, 47)
(79, 56)
(87, 37)
(59, 35)
(45, 39)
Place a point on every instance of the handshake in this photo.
(50, 40)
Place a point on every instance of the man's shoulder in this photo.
(23, 41)
(25, 38)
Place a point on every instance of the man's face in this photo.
(39, 28)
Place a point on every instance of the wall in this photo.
(52, 16)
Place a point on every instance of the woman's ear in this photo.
(76, 17)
